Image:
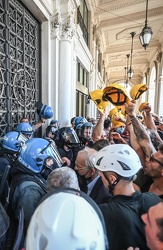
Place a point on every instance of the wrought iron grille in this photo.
(19, 64)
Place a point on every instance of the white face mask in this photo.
(120, 130)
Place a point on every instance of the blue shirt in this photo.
(91, 184)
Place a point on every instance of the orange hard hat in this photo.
(116, 94)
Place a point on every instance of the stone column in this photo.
(54, 59)
(62, 72)
(65, 72)
(159, 85)
(160, 100)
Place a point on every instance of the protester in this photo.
(153, 221)
(62, 177)
(153, 159)
(93, 185)
(120, 164)
(64, 220)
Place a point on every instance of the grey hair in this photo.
(90, 157)
(62, 177)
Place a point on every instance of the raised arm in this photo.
(139, 130)
(133, 141)
(98, 129)
(149, 121)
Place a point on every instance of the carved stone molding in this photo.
(55, 21)
(68, 27)
(71, 5)
(63, 28)
(139, 16)
(55, 25)
(118, 6)
(97, 35)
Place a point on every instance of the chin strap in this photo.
(112, 186)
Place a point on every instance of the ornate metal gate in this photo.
(19, 64)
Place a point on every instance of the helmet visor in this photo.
(22, 138)
(51, 150)
(70, 137)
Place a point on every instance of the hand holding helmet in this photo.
(130, 107)
(44, 111)
(137, 90)
(145, 107)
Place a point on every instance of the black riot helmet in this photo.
(67, 136)
(51, 132)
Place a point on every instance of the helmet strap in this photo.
(112, 186)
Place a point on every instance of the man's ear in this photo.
(112, 178)
(93, 170)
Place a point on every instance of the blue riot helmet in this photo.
(25, 128)
(35, 152)
(46, 112)
(78, 130)
(54, 123)
(86, 130)
(79, 120)
(68, 136)
(12, 142)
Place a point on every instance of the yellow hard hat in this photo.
(142, 105)
(96, 97)
(116, 94)
(115, 122)
(137, 90)
(113, 111)
(123, 110)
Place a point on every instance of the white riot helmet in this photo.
(118, 158)
(65, 221)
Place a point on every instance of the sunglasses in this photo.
(153, 159)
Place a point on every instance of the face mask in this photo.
(88, 180)
(120, 130)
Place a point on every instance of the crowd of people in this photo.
(97, 184)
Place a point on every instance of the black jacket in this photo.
(100, 194)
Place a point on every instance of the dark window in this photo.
(81, 98)
(82, 19)
(81, 101)
(82, 74)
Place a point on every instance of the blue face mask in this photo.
(120, 130)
